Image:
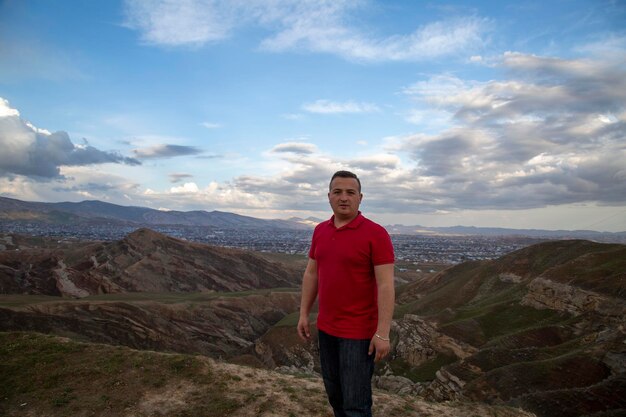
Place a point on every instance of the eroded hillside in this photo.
(144, 261)
(217, 325)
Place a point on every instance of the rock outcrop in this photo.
(397, 384)
(446, 387)
(417, 341)
(544, 293)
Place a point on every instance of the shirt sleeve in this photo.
(382, 248)
(313, 244)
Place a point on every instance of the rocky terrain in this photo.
(144, 261)
(542, 329)
(164, 293)
(220, 326)
(51, 376)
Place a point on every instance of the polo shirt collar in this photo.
(355, 223)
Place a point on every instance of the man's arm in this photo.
(309, 294)
(386, 302)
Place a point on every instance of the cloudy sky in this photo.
(484, 113)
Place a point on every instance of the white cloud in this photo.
(436, 39)
(333, 107)
(30, 151)
(179, 22)
(210, 125)
(187, 188)
(551, 134)
(301, 186)
(75, 183)
(324, 30)
(6, 110)
(299, 25)
(226, 196)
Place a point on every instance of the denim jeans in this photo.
(347, 370)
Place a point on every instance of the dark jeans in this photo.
(347, 370)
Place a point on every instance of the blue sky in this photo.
(485, 113)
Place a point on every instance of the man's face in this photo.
(344, 197)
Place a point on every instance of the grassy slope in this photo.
(48, 376)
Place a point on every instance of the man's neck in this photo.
(341, 221)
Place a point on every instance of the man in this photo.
(350, 268)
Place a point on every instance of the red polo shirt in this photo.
(347, 288)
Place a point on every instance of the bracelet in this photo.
(381, 338)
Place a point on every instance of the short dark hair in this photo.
(345, 174)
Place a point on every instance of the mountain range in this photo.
(98, 212)
(94, 211)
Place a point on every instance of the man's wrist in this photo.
(384, 339)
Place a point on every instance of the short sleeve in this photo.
(382, 248)
(313, 243)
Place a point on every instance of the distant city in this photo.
(412, 248)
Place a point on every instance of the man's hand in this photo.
(309, 294)
(304, 329)
(381, 347)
